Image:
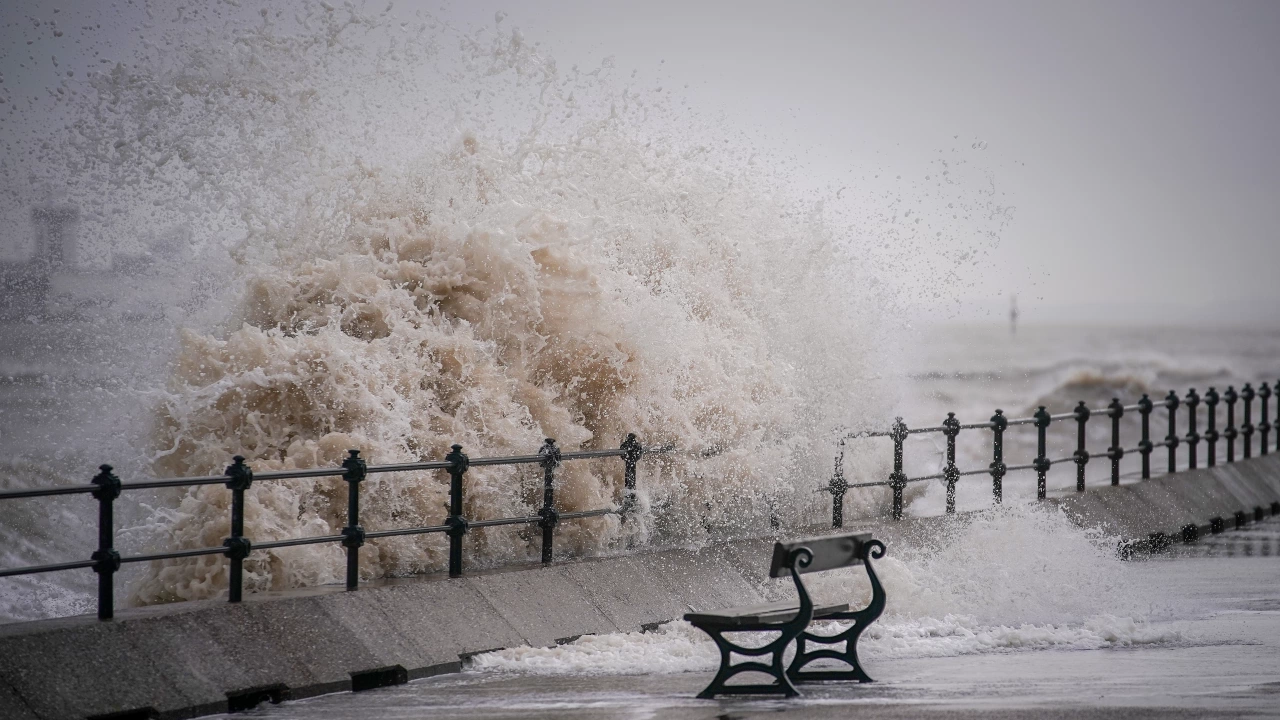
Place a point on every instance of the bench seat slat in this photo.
(778, 612)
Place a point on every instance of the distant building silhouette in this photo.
(25, 285)
(60, 281)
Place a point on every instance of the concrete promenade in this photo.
(199, 658)
(1223, 663)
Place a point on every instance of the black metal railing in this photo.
(106, 487)
(1042, 419)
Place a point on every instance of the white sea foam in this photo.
(1012, 579)
(679, 647)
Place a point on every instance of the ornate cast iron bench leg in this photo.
(861, 619)
(782, 686)
(788, 631)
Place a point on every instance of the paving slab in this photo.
(445, 618)
(195, 662)
(543, 604)
(364, 614)
(1087, 510)
(12, 706)
(1142, 509)
(1262, 476)
(699, 580)
(1205, 491)
(1245, 489)
(1168, 509)
(300, 632)
(625, 592)
(73, 672)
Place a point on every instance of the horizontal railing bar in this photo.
(586, 514)
(966, 473)
(175, 554)
(317, 472)
(588, 454)
(514, 460)
(317, 540)
(988, 425)
(174, 482)
(405, 467)
(1027, 466)
(406, 531)
(46, 492)
(877, 483)
(33, 569)
(505, 521)
(1135, 406)
(298, 474)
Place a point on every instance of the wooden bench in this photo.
(791, 620)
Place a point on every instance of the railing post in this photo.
(898, 479)
(998, 469)
(238, 547)
(1041, 462)
(1264, 428)
(1115, 411)
(838, 487)
(1211, 433)
(632, 451)
(1246, 428)
(353, 533)
(550, 455)
(1145, 447)
(106, 560)
(1171, 440)
(1230, 397)
(951, 473)
(1193, 437)
(458, 524)
(1081, 455)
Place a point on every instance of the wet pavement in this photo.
(1224, 596)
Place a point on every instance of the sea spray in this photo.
(1020, 578)
(577, 289)
(409, 235)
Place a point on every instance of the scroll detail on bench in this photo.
(790, 619)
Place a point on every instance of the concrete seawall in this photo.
(199, 658)
(1193, 503)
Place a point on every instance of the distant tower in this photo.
(1013, 315)
(25, 286)
(57, 247)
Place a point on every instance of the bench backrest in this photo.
(829, 552)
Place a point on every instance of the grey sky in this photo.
(1137, 139)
